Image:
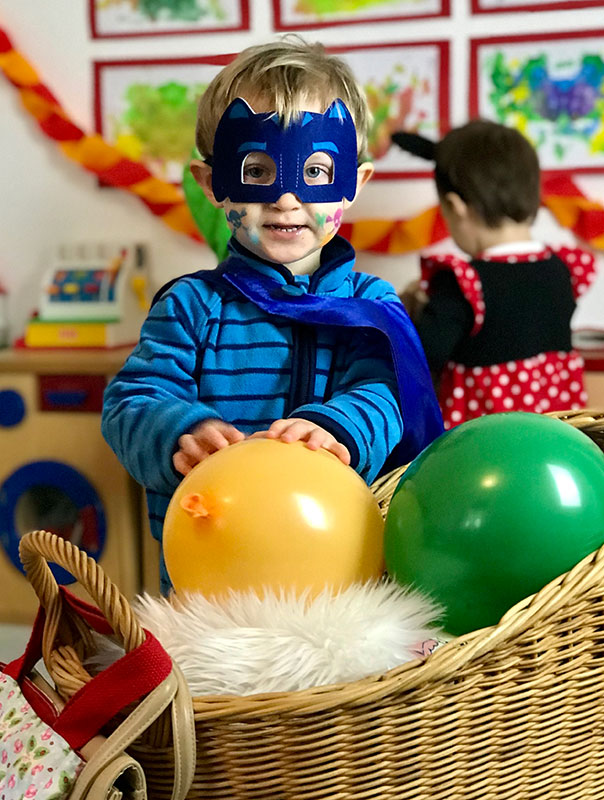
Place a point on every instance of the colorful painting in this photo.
(407, 88)
(551, 88)
(298, 14)
(490, 6)
(148, 109)
(118, 18)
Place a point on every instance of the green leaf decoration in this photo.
(211, 221)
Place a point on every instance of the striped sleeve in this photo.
(154, 398)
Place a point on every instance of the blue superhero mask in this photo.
(241, 132)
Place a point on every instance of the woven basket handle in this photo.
(36, 550)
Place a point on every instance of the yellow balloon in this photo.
(268, 514)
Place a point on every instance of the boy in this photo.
(283, 339)
(496, 328)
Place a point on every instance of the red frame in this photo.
(443, 94)
(551, 6)
(279, 25)
(476, 44)
(94, 33)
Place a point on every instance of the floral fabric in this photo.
(34, 760)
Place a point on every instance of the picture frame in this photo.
(131, 95)
(550, 87)
(113, 19)
(505, 6)
(407, 85)
(302, 14)
(406, 82)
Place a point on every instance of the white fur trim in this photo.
(247, 645)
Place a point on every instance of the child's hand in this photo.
(301, 430)
(208, 437)
(414, 298)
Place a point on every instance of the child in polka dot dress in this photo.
(496, 328)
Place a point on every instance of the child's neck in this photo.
(506, 233)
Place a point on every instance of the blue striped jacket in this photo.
(206, 351)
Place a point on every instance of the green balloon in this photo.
(211, 221)
(493, 510)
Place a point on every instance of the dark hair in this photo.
(494, 169)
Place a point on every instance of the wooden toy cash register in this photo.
(93, 295)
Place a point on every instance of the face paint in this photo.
(254, 235)
(336, 219)
(234, 218)
(257, 160)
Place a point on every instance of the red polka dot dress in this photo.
(496, 329)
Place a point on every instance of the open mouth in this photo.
(285, 228)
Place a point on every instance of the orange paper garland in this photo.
(91, 151)
(391, 237)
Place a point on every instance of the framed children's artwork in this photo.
(497, 6)
(147, 108)
(407, 86)
(124, 18)
(548, 86)
(300, 14)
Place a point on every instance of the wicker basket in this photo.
(513, 712)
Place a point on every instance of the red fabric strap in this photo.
(126, 681)
(22, 666)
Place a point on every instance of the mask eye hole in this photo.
(318, 169)
(258, 168)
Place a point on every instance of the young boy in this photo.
(496, 328)
(284, 339)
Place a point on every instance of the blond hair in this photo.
(287, 73)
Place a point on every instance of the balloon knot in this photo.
(194, 505)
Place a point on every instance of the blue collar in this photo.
(337, 262)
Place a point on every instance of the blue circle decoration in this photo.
(77, 489)
(12, 408)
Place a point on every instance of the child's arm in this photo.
(153, 400)
(414, 298)
(445, 321)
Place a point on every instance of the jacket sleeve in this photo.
(153, 399)
(445, 321)
(363, 412)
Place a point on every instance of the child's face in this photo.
(287, 230)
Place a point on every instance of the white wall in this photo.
(46, 199)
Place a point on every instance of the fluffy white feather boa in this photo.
(245, 645)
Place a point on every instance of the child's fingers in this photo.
(211, 439)
(293, 430)
(319, 437)
(231, 434)
(340, 451)
(259, 435)
(278, 428)
(192, 447)
(182, 463)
